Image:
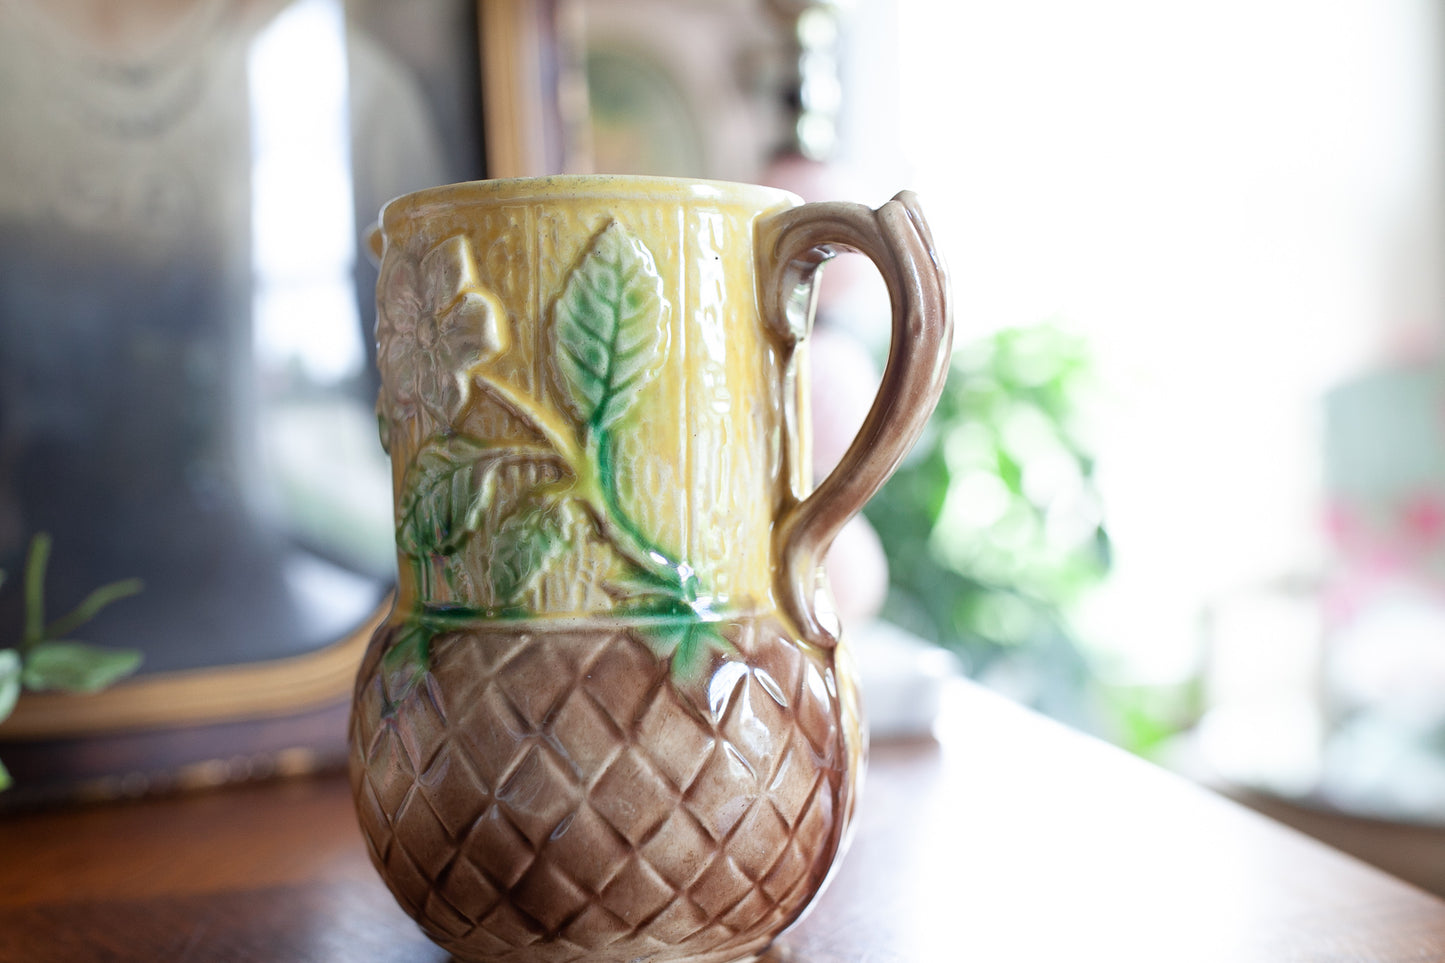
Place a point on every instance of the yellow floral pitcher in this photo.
(608, 717)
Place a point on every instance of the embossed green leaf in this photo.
(688, 644)
(610, 327)
(519, 549)
(446, 490)
(406, 662)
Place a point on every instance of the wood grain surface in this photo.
(1009, 839)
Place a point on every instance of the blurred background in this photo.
(1185, 490)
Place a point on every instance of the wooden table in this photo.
(1010, 839)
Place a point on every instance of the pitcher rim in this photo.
(420, 204)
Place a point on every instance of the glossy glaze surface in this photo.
(559, 796)
(582, 383)
(604, 719)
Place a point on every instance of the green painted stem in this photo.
(623, 533)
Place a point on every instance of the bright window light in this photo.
(1237, 201)
(303, 230)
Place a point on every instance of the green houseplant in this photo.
(994, 525)
(45, 658)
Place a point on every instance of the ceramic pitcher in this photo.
(609, 717)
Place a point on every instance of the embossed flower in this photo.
(435, 323)
(398, 307)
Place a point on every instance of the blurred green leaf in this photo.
(1144, 718)
(91, 606)
(1009, 471)
(76, 666)
(36, 561)
(9, 681)
(996, 594)
(41, 661)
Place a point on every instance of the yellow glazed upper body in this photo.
(603, 332)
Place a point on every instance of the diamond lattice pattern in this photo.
(550, 798)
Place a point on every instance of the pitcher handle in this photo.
(795, 243)
(375, 243)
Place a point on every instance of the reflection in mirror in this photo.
(186, 379)
(306, 328)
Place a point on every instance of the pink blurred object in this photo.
(844, 381)
(817, 181)
(858, 572)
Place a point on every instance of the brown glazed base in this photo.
(546, 797)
